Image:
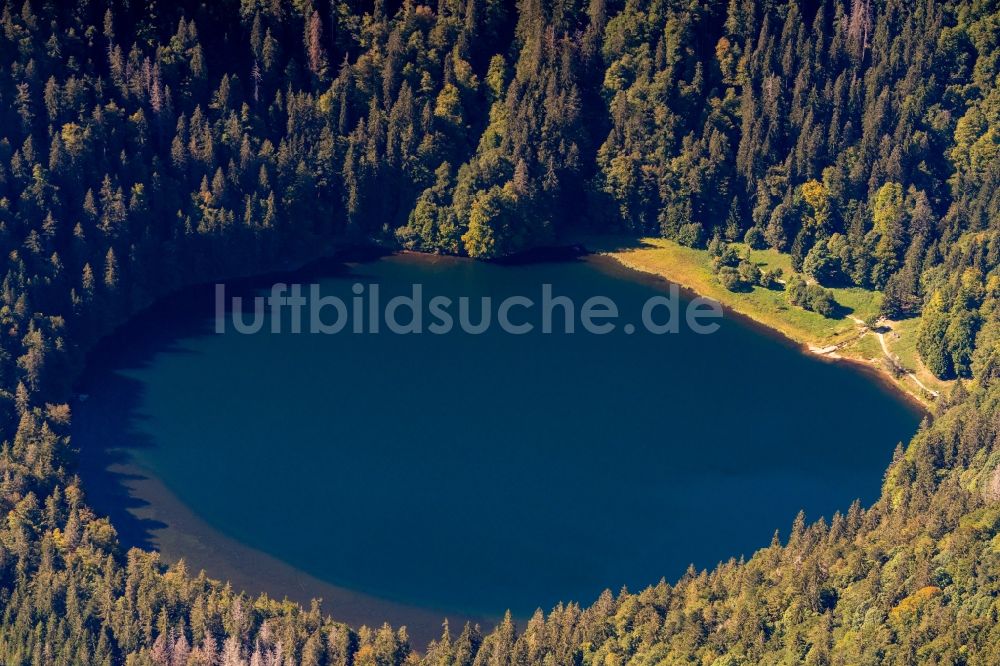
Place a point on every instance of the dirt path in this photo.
(889, 355)
(830, 351)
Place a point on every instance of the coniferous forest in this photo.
(147, 145)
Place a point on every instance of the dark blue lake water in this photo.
(475, 473)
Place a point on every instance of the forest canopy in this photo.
(146, 145)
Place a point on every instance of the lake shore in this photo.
(184, 535)
(180, 534)
(831, 340)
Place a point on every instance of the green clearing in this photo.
(903, 343)
(692, 268)
(866, 347)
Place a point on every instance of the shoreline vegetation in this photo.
(178, 534)
(886, 349)
(181, 535)
(147, 145)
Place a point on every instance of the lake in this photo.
(408, 477)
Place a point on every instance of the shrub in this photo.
(749, 272)
(730, 278)
(754, 238)
(728, 256)
(820, 300)
(691, 234)
(822, 265)
(716, 246)
(776, 231)
(770, 278)
(795, 291)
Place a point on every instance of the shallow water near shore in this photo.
(413, 477)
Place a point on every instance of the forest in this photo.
(147, 145)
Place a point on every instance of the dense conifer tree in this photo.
(146, 145)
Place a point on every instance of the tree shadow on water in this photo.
(108, 430)
(109, 426)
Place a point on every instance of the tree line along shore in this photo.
(146, 145)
